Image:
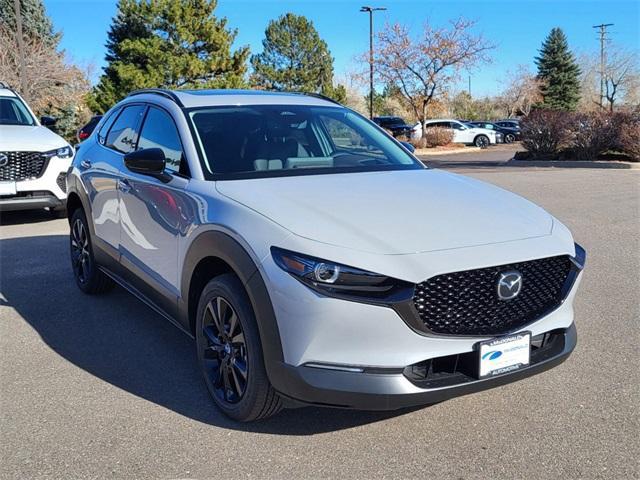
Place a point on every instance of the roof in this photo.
(207, 98)
(5, 92)
(430, 120)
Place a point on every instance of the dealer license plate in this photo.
(504, 354)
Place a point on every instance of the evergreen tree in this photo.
(35, 22)
(169, 44)
(295, 58)
(558, 72)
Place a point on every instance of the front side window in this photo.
(123, 135)
(159, 131)
(278, 140)
(14, 112)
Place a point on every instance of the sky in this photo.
(516, 27)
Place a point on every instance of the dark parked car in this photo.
(396, 125)
(85, 131)
(509, 134)
(509, 123)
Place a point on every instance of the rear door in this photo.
(101, 168)
(153, 214)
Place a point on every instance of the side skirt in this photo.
(144, 299)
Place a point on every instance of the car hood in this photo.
(397, 212)
(29, 138)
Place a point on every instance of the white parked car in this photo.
(462, 133)
(33, 159)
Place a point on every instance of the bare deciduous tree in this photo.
(51, 84)
(522, 92)
(427, 65)
(621, 75)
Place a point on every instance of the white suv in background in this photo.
(462, 133)
(33, 159)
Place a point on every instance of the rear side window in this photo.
(159, 131)
(123, 135)
(106, 125)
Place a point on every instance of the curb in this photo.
(612, 164)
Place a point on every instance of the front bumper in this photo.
(29, 201)
(391, 390)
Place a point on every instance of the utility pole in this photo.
(20, 39)
(370, 10)
(603, 37)
(469, 85)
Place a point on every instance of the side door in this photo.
(460, 133)
(152, 210)
(101, 168)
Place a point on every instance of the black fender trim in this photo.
(223, 247)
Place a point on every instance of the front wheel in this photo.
(481, 141)
(230, 353)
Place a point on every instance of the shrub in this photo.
(629, 139)
(592, 134)
(434, 137)
(545, 133)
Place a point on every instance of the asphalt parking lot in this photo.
(104, 387)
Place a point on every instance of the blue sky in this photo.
(516, 27)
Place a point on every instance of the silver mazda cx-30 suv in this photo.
(312, 257)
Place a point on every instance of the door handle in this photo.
(85, 163)
(124, 186)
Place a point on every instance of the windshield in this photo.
(14, 112)
(278, 140)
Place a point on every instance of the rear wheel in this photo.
(481, 141)
(88, 276)
(509, 138)
(230, 352)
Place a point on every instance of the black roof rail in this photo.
(317, 95)
(158, 91)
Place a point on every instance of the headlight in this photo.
(64, 152)
(339, 280)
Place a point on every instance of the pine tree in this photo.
(35, 21)
(558, 72)
(295, 58)
(169, 44)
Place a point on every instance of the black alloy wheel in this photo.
(81, 260)
(225, 359)
(89, 278)
(230, 353)
(509, 138)
(481, 141)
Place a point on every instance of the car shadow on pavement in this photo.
(119, 340)
(25, 216)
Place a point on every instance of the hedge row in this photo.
(553, 134)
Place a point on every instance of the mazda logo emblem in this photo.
(4, 160)
(509, 285)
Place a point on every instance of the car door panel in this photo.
(151, 216)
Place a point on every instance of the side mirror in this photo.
(408, 146)
(148, 161)
(47, 121)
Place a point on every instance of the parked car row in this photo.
(477, 133)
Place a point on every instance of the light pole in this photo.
(370, 10)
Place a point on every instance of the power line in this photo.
(603, 38)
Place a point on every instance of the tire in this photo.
(509, 138)
(88, 276)
(230, 353)
(481, 141)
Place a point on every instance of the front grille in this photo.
(22, 165)
(467, 303)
